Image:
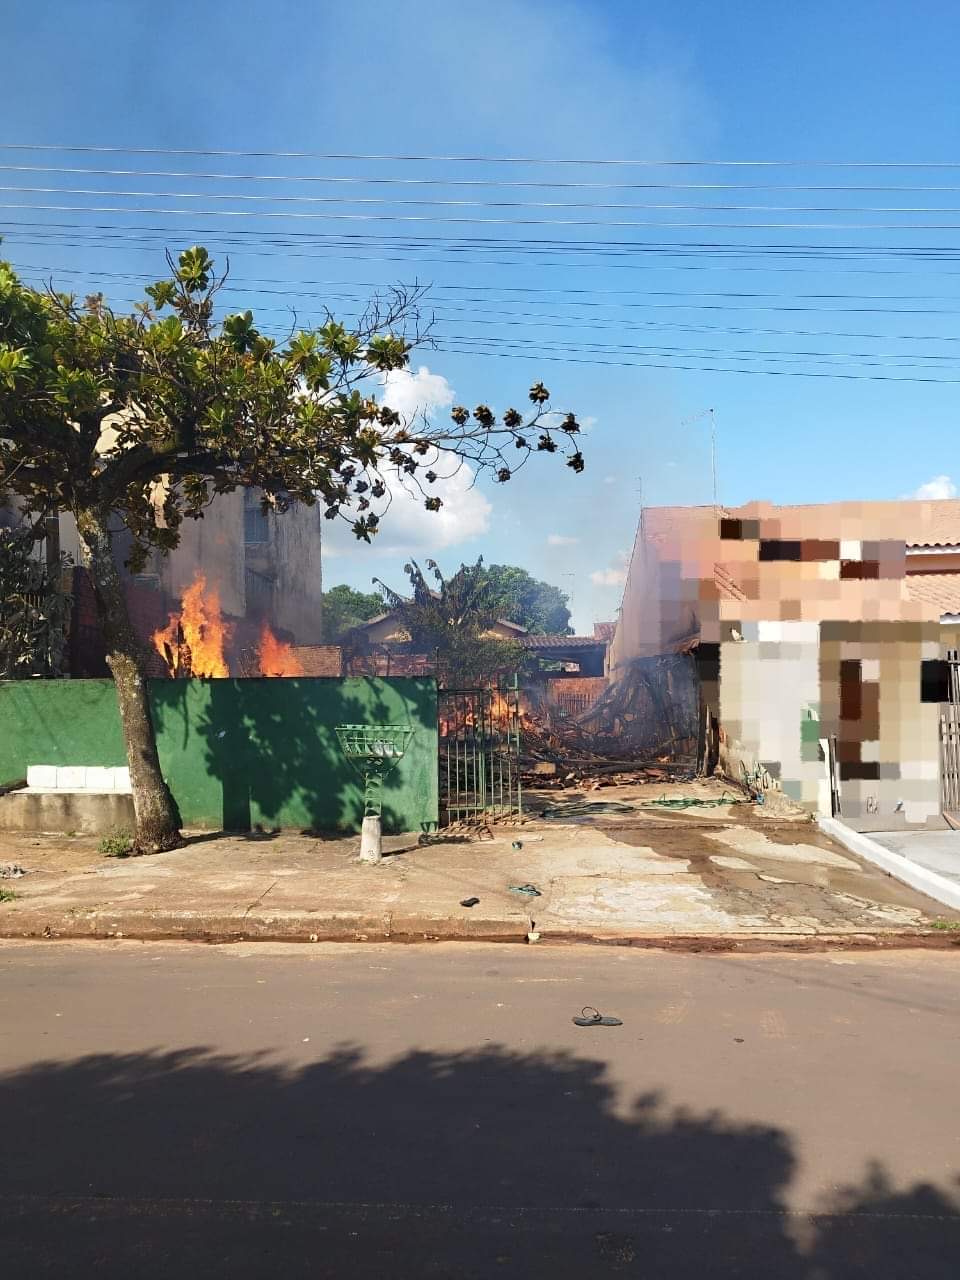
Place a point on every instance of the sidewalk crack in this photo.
(257, 902)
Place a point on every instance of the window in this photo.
(256, 526)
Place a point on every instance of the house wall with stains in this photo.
(264, 567)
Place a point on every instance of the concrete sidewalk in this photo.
(937, 851)
(718, 876)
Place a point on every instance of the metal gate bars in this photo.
(479, 753)
(950, 739)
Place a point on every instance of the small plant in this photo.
(69, 834)
(951, 926)
(7, 895)
(117, 845)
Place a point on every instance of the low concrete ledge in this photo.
(895, 864)
(88, 813)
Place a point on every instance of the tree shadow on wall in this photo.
(466, 1164)
(271, 746)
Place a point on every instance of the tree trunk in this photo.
(158, 825)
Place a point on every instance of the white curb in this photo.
(901, 868)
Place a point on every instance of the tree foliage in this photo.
(149, 415)
(33, 609)
(521, 598)
(345, 608)
(453, 618)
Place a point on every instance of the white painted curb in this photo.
(901, 868)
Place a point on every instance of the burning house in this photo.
(240, 594)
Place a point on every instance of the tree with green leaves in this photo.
(345, 608)
(521, 598)
(454, 619)
(140, 420)
(33, 608)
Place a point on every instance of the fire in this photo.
(500, 715)
(276, 657)
(193, 640)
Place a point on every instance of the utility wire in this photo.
(415, 243)
(867, 359)
(288, 289)
(509, 222)
(468, 159)
(360, 180)
(573, 321)
(474, 204)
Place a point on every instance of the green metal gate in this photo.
(479, 753)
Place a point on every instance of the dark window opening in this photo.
(256, 526)
(851, 689)
(777, 549)
(859, 569)
(934, 681)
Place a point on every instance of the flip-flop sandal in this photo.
(591, 1017)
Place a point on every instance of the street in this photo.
(432, 1111)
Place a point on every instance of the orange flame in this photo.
(192, 642)
(276, 657)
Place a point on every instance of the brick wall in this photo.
(575, 694)
(87, 653)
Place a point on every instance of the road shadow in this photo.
(459, 1165)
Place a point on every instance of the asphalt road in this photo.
(386, 1111)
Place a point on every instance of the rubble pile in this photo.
(643, 728)
(556, 755)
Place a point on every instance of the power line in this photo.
(410, 243)
(471, 346)
(472, 159)
(754, 355)
(509, 222)
(289, 290)
(391, 180)
(554, 322)
(687, 368)
(475, 204)
(137, 244)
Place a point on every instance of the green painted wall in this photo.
(238, 753)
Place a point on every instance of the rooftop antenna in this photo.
(689, 422)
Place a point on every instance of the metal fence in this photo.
(950, 739)
(479, 753)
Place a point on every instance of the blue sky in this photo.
(859, 84)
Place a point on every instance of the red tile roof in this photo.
(561, 642)
(319, 659)
(940, 589)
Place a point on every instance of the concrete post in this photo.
(371, 848)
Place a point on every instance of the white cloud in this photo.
(609, 577)
(616, 575)
(609, 479)
(938, 487)
(465, 514)
(407, 527)
(415, 393)
(561, 540)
